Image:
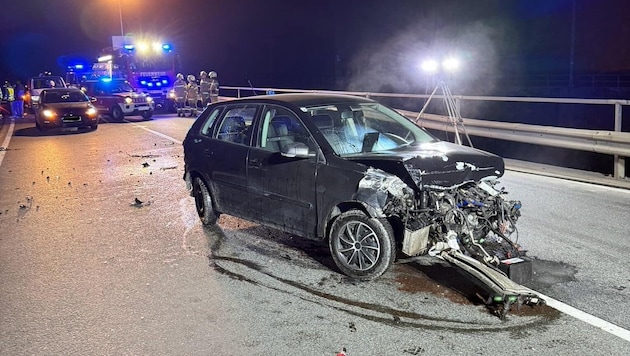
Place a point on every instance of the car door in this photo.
(225, 159)
(284, 186)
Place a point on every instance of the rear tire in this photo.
(362, 247)
(203, 203)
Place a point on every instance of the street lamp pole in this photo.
(122, 32)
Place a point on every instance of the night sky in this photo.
(328, 44)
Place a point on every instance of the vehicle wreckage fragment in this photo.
(468, 225)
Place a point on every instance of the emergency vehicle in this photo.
(117, 99)
(148, 65)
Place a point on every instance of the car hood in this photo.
(68, 106)
(129, 94)
(436, 165)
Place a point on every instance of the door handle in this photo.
(254, 163)
(207, 152)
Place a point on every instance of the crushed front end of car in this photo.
(448, 201)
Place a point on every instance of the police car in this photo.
(117, 98)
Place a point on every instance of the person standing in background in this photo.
(204, 88)
(18, 103)
(214, 87)
(9, 96)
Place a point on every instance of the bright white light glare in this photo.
(450, 64)
(429, 66)
(157, 47)
(143, 47)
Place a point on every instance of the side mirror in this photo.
(296, 150)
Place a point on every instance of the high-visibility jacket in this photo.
(10, 94)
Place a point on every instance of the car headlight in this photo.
(90, 112)
(49, 113)
(128, 100)
(149, 99)
(171, 94)
(35, 98)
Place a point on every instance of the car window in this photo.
(41, 83)
(281, 128)
(356, 129)
(236, 125)
(209, 119)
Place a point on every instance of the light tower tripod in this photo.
(454, 116)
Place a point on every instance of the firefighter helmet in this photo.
(191, 78)
(203, 74)
(212, 74)
(180, 76)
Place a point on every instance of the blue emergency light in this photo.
(167, 47)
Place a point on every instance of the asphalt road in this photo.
(101, 253)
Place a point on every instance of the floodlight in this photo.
(429, 66)
(450, 64)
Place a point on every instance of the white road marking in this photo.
(587, 318)
(159, 134)
(7, 139)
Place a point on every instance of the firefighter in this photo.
(214, 87)
(192, 94)
(204, 88)
(179, 89)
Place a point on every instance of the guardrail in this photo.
(615, 143)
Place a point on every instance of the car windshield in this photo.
(47, 82)
(355, 129)
(63, 96)
(116, 86)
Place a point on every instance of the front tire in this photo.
(362, 247)
(203, 203)
(147, 114)
(117, 113)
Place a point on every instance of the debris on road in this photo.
(139, 203)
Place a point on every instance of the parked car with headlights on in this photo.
(117, 98)
(63, 108)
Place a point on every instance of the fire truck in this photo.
(149, 66)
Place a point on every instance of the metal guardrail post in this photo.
(458, 105)
(619, 170)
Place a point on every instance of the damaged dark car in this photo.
(360, 175)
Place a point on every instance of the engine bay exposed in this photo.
(472, 226)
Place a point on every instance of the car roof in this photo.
(47, 77)
(308, 99)
(105, 81)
